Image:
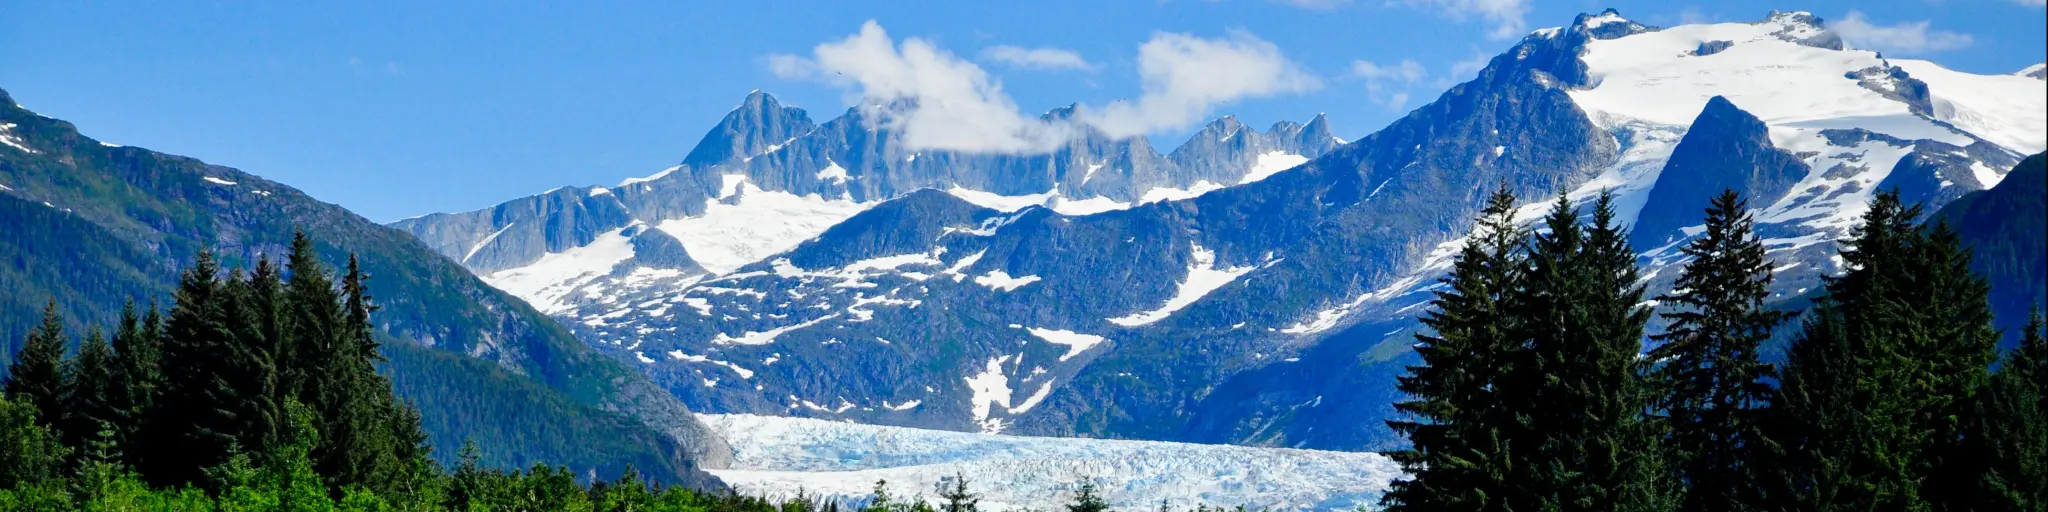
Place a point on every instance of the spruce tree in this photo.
(1710, 379)
(1868, 412)
(90, 404)
(1954, 343)
(248, 369)
(958, 499)
(1575, 390)
(37, 377)
(1456, 460)
(193, 426)
(1087, 498)
(138, 378)
(369, 437)
(2004, 442)
(315, 318)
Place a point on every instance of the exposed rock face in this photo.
(1726, 149)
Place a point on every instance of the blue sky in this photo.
(396, 109)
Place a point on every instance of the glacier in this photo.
(780, 457)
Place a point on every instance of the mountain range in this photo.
(1106, 290)
(1250, 286)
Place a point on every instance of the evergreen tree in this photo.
(248, 369)
(375, 438)
(138, 379)
(1087, 499)
(36, 377)
(1456, 456)
(2005, 435)
(316, 318)
(1954, 341)
(879, 499)
(469, 487)
(958, 499)
(1710, 378)
(89, 405)
(194, 425)
(1868, 413)
(1576, 389)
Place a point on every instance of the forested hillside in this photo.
(93, 226)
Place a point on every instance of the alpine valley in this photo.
(1250, 287)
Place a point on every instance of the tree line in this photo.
(258, 391)
(1535, 391)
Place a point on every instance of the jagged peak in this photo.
(757, 100)
(1222, 128)
(1801, 27)
(1790, 17)
(1608, 24)
(1061, 113)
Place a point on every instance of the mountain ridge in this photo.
(145, 214)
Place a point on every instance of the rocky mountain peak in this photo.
(1803, 28)
(757, 124)
(1609, 24)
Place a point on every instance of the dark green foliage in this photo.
(193, 423)
(1710, 379)
(94, 226)
(1086, 499)
(88, 406)
(36, 377)
(519, 423)
(958, 498)
(1875, 387)
(2003, 461)
(1532, 393)
(1574, 391)
(138, 345)
(1457, 458)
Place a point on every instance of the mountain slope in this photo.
(97, 224)
(1044, 294)
(2007, 229)
(1032, 321)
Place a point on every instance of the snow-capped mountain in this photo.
(1209, 295)
(766, 177)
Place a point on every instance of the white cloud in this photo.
(1036, 58)
(790, 66)
(1388, 84)
(935, 100)
(1185, 76)
(1469, 68)
(1407, 71)
(2032, 3)
(1504, 15)
(1903, 38)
